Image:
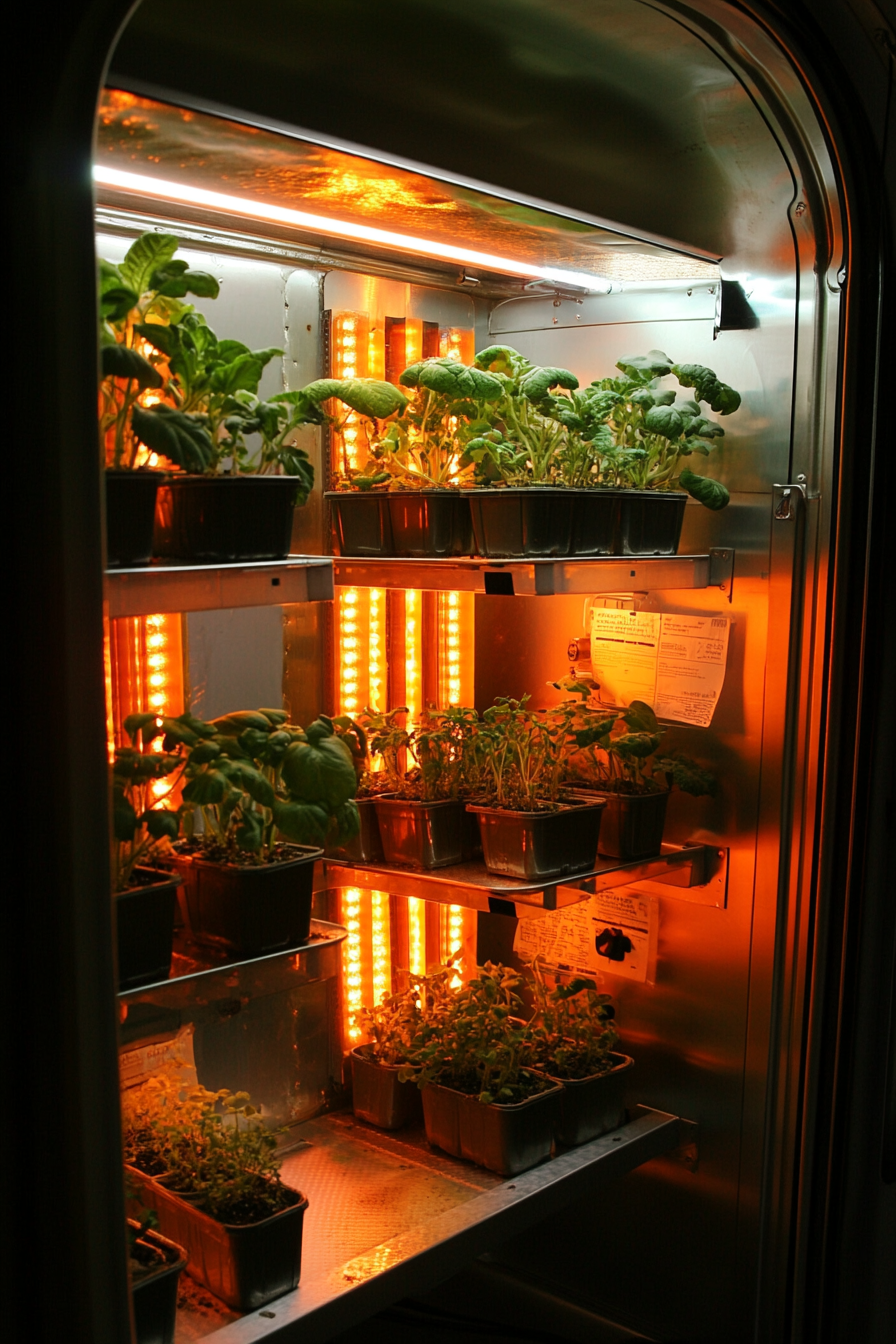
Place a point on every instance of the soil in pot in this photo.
(421, 835)
(130, 515)
(595, 521)
(534, 845)
(377, 1095)
(245, 1264)
(526, 522)
(220, 519)
(592, 1106)
(633, 823)
(144, 922)
(506, 1139)
(650, 521)
(360, 523)
(248, 909)
(430, 524)
(155, 1268)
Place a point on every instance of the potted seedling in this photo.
(422, 821)
(652, 435)
(205, 1163)
(154, 1270)
(521, 506)
(146, 289)
(358, 502)
(380, 1095)
(261, 798)
(570, 1040)
(144, 786)
(529, 828)
(480, 1099)
(617, 758)
(237, 504)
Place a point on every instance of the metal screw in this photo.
(801, 479)
(801, 208)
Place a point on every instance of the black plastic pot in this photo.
(632, 826)
(144, 921)
(595, 521)
(592, 1106)
(539, 844)
(421, 835)
(470, 837)
(504, 1139)
(527, 522)
(650, 521)
(377, 1095)
(155, 1293)
(219, 519)
(430, 524)
(246, 1265)
(366, 846)
(360, 523)
(130, 515)
(251, 909)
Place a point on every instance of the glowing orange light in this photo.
(416, 936)
(456, 668)
(413, 653)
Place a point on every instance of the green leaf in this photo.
(166, 339)
(240, 719)
(367, 396)
(275, 716)
(162, 824)
(250, 831)
(640, 745)
(207, 788)
(124, 818)
(536, 383)
(304, 823)
(664, 420)
(175, 281)
(257, 785)
(148, 254)
(241, 375)
(182, 438)
(500, 359)
(640, 367)
(116, 298)
(320, 772)
(712, 494)
(135, 723)
(687, 774)
(120, 361)
(452, 379)
(204, 752)
(640, 717)
(722, 398)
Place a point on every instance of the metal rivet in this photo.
(801, 208)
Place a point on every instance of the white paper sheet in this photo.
(613, 933)
(675, 663)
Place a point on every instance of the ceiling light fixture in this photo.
(161, 189)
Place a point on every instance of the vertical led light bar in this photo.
(416, 936)
(456, 668)
(348, 651)
(349, 355)
(376, 645)
(413, 653)
(380, 947)
(457, 343)
(352, 966)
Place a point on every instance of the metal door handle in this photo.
(784, 509)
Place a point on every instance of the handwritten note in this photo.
(675, 663)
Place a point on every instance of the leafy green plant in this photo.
(442, 758)
(370, 404)
(145, 291)
(524, 753)
(618, 752)
(258, 779)
(572, 1031)
(475, 1041)
(142, 819)
(521, 434)
(389, 739)
(213, 1146)
(652, 433)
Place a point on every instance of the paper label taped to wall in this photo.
(614, 933)
(675, 663)
(135, 1066)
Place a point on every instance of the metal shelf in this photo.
(173, 587)
(473, 886)
(541, 578)
(389, 1216)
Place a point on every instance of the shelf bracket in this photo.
(721, 570)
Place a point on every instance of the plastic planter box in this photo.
(377, 1095)
(534, 845)
(130, 515)
(430, 524)
(650, 521)
(360, 523)
(592, 1106)
(421, 835)
(595, 522)
(144, 921)
(366, 846)
(633, 824)
(246, 1265)
(155, 1293)
(504, 1139)
(533, 522)
(250, 910)
(219, 519)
